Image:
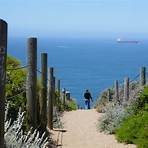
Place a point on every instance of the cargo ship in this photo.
(119, 40)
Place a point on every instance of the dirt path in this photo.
(82, 132)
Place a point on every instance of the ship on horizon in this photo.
(119, 40)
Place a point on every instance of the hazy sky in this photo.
(75, 17)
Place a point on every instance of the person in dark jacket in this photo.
(87, 97)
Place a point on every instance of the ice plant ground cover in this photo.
(15, 138)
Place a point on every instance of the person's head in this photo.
(87, 90)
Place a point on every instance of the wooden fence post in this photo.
(64, 97)
(126, 89)
(59, 86)
(59, 90)
(3, 56)
(116, 86)
(54, 88)
(31, 83)
(50, 98)
(109, 95)
(143, 76)
(43, 98)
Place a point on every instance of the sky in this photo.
(75, 18)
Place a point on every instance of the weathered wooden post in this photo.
(31, 83)
(54, 88)
(50, 98)
(143, 76)
(3, 56)
(116, 87)
(64, 97)
(59, 90)
(59, 86)
(43, 98)
(109, 95)
(126, 89)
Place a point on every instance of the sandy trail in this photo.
(81, 132)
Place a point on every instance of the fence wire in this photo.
(17, 68)
(16, 95)
(39, 71)
(135, 78)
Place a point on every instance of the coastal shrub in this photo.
(103, 101)
(71, 105)
(15, 85)
(142, 101)
(116, 111)
(15, 138)
(134, 128)
(112, 118)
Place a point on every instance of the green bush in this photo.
(15, 85)
(142, 102)
(71, 105)
(134, 130)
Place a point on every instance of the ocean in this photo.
(82, 64)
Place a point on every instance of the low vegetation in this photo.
(15, 137)
(15, 85)
(128, 120)
(69, 104)
(134, 128)
(103, 101)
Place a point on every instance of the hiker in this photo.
(88, 97)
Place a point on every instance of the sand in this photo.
(81, 132)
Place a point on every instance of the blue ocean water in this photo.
(82, 64)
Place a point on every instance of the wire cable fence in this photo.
(135, 78)
(123, 86)
(24, 87)
(18, 68)
(23, 90)
(40, 72)
(8, 98)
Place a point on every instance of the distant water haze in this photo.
(82, 64)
